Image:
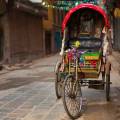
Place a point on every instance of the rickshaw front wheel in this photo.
(72, 97)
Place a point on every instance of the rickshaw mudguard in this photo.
(86, 6)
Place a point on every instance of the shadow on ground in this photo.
(22, 81)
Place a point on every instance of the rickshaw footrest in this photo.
(96, 84)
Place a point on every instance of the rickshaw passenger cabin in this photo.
(84, 29)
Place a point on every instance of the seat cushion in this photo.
(87, 42)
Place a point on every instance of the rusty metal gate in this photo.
(116, 44)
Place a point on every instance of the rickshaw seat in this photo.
(87, 43)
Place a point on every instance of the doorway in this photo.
(48, 42)
(57, 40)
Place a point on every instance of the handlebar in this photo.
(76, 51)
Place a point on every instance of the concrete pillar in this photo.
(6, 30)
(52, 41)
(44, 49)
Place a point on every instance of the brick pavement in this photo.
(25, 101)
(28, 94)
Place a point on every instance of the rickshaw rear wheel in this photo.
(58, 84)
(108, 87)
(103, 75)
(72, 97)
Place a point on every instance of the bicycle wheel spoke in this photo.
(72, 97)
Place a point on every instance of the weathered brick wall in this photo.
(6, 38)
(26, 36)
(116, 29)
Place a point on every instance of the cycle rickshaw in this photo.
(84, 51)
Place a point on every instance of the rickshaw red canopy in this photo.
(88, 6)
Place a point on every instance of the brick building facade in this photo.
(21, 32)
